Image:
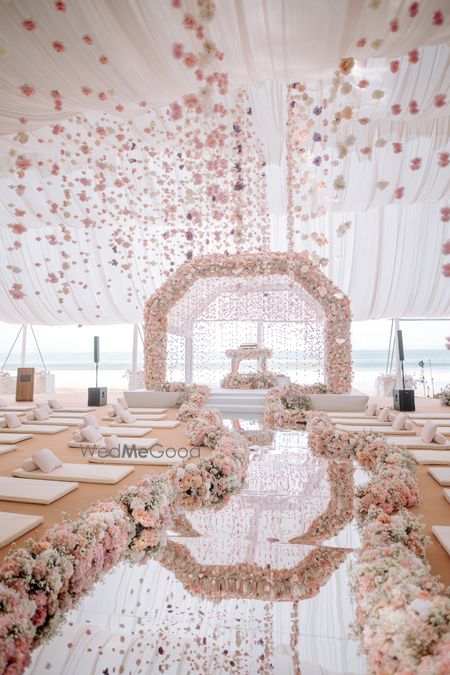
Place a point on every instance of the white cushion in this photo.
(383, 415)
(46, 460)
(372, 409)
(409, 426)
(117, 408)
(89, 421)
(44, 406)
(126, 416)
(40, 414)
(122, 401)
(112, 442)
(29, 465)
(91, 434)
(440, 438)
(55, 404)
(12, 421)
(399, 422)
(429, 431)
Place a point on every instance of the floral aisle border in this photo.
(287, 407)
(402, 611)
(299, 266)
(41, 582)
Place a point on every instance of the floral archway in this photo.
(300, 269)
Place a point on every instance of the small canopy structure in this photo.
(135, 136)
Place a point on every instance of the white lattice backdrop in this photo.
(221, 313)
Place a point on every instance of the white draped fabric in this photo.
(102, 193)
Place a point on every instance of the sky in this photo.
(118, 338)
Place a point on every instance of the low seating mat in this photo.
(83, 473)
(33, 491)
(14, 525)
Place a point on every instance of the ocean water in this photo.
(76, 370)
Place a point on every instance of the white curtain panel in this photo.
(68, 221)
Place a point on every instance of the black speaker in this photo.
(97, 396)
(401, 354)
(96, 349)
(404, 400)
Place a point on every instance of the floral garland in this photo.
(302, 268)
(42, 581)
(402, 617)
(247, 580)
(286, 407)
(251, 380)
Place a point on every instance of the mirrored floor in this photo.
(259, 586)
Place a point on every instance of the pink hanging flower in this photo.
(413, 10)
(444, 159)
(189, 22)
(413, 107)
(415, 163)
(190, 60)
(439, 100)
(399, 192)
(394, 25)
(446, 247)
(177, 50)
(176, 4)
(176, 111)
(394, 65)
(361, 42)
(18, 228)
(29, 24)
(397, 147)
(86, 90)
(438, 19)
(363, 84)
(16, 292)
(396, 109)
(190, 100)
(60, 6)
(103, 59)
(27, 90)
(413, 56)
(22, 163)
(445, 214)
(87, 39)
(446, 273)
(58, 46)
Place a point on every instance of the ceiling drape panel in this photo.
(106, 186)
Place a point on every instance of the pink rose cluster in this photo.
(402, 614)
(286, 407)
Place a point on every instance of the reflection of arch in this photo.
(298, 266)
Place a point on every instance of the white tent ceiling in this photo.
(103, 193)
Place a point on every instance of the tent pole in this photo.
(23, 354)
(134, 356)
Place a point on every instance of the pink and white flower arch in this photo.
(299, 266)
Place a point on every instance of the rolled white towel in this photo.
(41, 414)
(46, 460)
(440, 438)
(91, 434)
(399, 421)
(383, 415)
(122, 401)
(126, 417)
(44, 406)
(55, 404)
(371, 409)
(30, 416)
(12, 421)
(29, 464)
(429, 431)
(88, 420)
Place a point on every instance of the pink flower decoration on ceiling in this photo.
(444, 159)
(396, 109)
(446, 273)
(413, 10)
(363, 84)
(58, 46)
(86, 90)
(87, 39)
(27, 90)
(446, 247)
(394, 25)
(399, 192)
(60, 6)
(103, 59)
(438, 18)
(361, 42)
(394, 65)
(413, 56)
(445, 214)
(413, 107)
(29, 24)
(22, 163)
(189, 22)
(397, 147)
(440, 100)
(18, 228)
(415, 163)
(177, 50)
